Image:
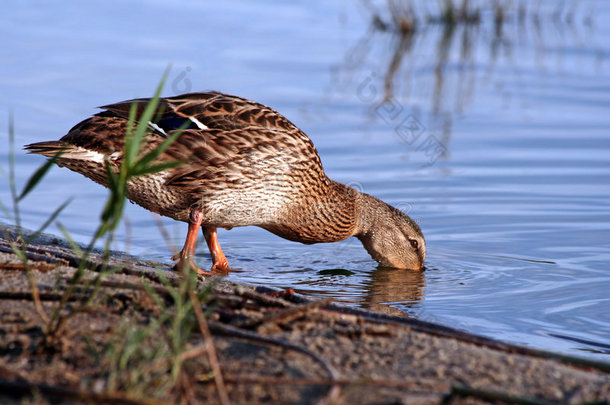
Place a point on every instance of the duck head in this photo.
(390, 236)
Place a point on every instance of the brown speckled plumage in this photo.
(244, 164)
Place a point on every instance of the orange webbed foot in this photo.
(185, 262)
(185, 256)
(221, 266)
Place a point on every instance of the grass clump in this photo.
(147, 361)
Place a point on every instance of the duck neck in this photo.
(326, 212)
(347, 212)
(369, 214)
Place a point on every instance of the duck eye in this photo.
(413, 243)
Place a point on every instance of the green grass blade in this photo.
(144, 119)
(113, 210)
(11, 171)
(73, 245)
(155, 153)
(113, 186)
(129, 133)
(113, 178)
(152, 293)
(6, 211)
(38, 175)
(18, 251)
(48, 221)
(156, 168)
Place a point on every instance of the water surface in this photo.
(496, 142)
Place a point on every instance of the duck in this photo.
(241, 164)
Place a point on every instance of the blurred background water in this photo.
(489, 127)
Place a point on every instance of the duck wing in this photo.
(227, 142)
(230, 142)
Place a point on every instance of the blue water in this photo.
(496, 143)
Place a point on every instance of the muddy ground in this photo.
(132, 337)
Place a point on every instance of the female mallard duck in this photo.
(244, 164)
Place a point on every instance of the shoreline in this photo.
(272, 346)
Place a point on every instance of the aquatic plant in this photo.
(407, 16)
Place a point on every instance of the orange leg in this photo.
(185, 256)
(218, 257)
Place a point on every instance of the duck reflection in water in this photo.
(390, 286)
